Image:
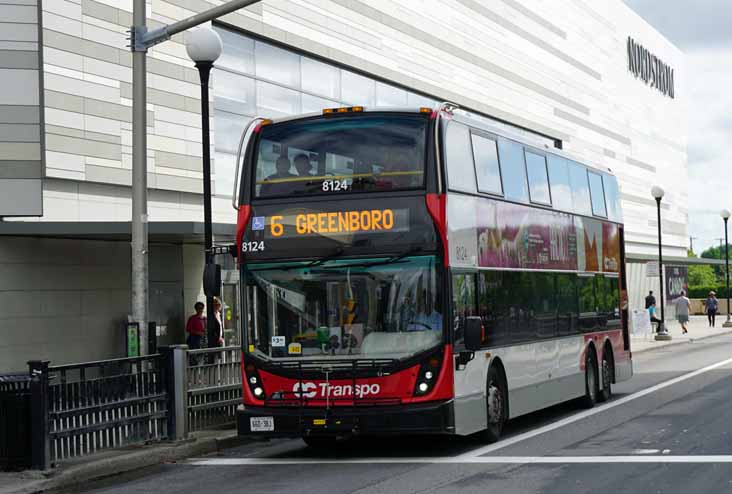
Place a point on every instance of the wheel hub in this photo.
(495, 404)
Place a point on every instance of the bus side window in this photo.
(587, 303)
(463, 303)
(459, 157)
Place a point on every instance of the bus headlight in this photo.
(253, 380)
(428, 372)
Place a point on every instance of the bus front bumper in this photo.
(266, 422)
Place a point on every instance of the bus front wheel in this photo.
(496, 405)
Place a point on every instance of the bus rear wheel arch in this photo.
(496, 402)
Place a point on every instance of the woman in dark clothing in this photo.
(711, 304)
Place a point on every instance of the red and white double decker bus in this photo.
(421, 271)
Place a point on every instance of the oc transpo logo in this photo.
(311, 390)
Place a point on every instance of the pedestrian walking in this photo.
(711, 304)
(683, 305)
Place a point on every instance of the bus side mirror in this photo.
(212, 280)
(473, 333)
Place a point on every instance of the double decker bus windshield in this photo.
(326, 155)
(364, 308)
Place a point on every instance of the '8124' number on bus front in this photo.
(252, 246)
(335, 185)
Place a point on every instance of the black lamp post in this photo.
(204, 48)
(725, 216)
(662, 334)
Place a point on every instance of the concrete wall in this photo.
(21, 114)
(66, 300)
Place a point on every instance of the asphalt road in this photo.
(669, 429)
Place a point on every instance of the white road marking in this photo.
(498, 460)
(475, 456)
(645, 451)
(588, 413)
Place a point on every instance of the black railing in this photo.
(15, 421)
(105, 404)
(213, 379)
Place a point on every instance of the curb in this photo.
(677, 342)
(115, 462)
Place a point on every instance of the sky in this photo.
(702, 29)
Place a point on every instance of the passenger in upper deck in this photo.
(283, 166)
(302, 165)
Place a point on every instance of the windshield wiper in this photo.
(390, 260)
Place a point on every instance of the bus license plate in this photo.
(261, 424)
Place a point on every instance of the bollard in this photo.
(176, 365)
(40, 439)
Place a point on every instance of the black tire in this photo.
(592, 387)
(496, 405)
(607, 370)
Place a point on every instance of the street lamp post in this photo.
(725, 216)
(204, 48)
(662, 334)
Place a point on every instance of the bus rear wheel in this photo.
(592, 387)
(496, 405)
(608, 375)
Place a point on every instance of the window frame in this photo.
(450, 187)
(546, 175)
(604, 195)
(494, 140)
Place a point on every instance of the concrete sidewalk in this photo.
(698, 329)
(72, 473)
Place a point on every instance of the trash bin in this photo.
(15, 422)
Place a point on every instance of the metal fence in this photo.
(106, 404)
(53, 413)
(15, 423)
(213, 387)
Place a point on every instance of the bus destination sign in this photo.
(308, 223)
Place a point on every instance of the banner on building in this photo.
(676, 281)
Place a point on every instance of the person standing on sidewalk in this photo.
(711, 304)
(683, 305)
(196, 327)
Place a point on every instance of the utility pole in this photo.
(691, 243)
(140, 40)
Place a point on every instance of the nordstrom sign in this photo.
(650, 69)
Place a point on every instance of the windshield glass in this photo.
(341, 154)
(386, 307)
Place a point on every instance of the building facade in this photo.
(592, 76)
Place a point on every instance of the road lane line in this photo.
(497, 460)
(588, 413)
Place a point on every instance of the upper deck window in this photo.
(485, 152)
(460, 172)
(597, 195)
(341, 154)
(580, 189)
(513, 170)
(559, 183)
(538, 179)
